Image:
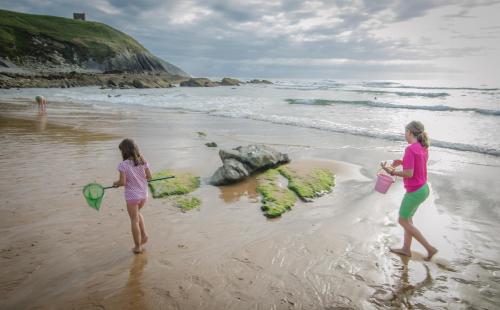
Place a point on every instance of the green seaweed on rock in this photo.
(186, 203)
(309, 185)
(183, 183)
(276, 199)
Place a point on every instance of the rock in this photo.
(183, 183)
(198, 82)
(276, 197)
(211, 144)
(245, 160)
(230, 82)
(138, 84)
(187, 202)
(311, 184)
(255, 81)
(231, 171)
(256, 156)
(111, 83)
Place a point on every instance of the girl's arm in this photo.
(121, 181)
(148, 174)
(406, 173)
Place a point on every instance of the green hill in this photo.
(28, 38)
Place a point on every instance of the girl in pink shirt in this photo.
(134, 175)
(414, 176)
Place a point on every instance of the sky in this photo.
(335, 39)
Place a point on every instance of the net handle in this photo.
(158, 179)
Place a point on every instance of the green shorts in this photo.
(412, 200)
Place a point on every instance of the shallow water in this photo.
(326, 254)
(460, 117)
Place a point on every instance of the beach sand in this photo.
(57, 253)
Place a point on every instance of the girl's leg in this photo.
(406, 249)
(133, 212)
(144, 235)
(415, 233)
(408, 238)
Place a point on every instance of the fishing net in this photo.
(93, 193)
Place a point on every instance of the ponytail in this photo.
(418, 131)
(423, 139)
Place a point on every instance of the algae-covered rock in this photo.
(276, 199)
(186, 203)
(309, 185)
(242, 161)
(230, 82)
(211, 144)
(183, 183)
(198, 82)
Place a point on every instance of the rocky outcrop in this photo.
(75, 79)
(198, 82)
(230, 82)
(34, 45)
(255, 81)
(242, 161)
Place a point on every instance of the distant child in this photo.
(134, 175)
(42, 104)
(414, 176)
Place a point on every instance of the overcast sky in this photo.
(338, 39)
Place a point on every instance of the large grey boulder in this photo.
(242, 161)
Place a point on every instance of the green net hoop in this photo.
(93, 193)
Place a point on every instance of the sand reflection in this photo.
(41, 121)
(133, 294)
(405, 289)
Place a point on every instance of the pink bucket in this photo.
(384, 181)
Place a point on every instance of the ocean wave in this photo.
(375, 104)
(397, 85)
(340, 128)
(399, 93)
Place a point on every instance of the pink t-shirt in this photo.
(136, 187)
(415, 158)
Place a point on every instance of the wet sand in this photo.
(56, 252)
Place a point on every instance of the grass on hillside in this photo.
(95, 39)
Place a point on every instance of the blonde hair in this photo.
(418, 131)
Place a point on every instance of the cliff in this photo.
(36, 43)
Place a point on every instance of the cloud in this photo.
(265, 37)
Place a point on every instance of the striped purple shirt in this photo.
(136, 187)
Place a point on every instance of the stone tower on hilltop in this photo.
(79, 16)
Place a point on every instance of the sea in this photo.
(460, 117)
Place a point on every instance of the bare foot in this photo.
(431, 253)
(400, 252)
(144, 239)
(137, 250)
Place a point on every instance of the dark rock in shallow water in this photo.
(231, 171)
(244, 160)
(211, 144)
(255, 81)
